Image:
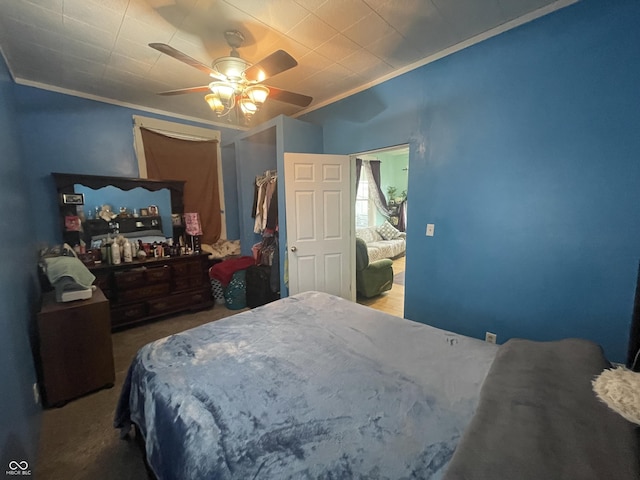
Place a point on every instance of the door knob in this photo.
(294, 248)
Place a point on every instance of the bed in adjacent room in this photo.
(311, 386)
(316, 387)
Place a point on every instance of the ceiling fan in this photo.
(237, 83)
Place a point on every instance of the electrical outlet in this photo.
(36, 393)
(490, 337)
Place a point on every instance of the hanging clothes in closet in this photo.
(266, 254)
(265, 202)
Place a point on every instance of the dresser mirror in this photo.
(131, 200)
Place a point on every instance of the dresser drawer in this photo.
(148, 291)
(187, 269)
(167, 304)
(142, 290)
(180, 269)
(196, 269)
(178, 302)
(194, 298)
(129, 313)
(128, 279)
(181, 283)
(189, 283)
(158, 274)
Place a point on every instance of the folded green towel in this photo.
(58, 267)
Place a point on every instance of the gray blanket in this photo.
(538, 418)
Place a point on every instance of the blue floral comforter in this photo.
(311, 387)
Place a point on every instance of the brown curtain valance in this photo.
(194, 162)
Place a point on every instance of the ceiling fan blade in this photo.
(274, 64)
(180, 91)
(184, 58)
(289, 97)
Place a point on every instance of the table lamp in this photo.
(193, 229)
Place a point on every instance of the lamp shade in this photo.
(222, 97)
(225, 91)
(215, 103)
(192, 224)
(248, 107)
(257, 93)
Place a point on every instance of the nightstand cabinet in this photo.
(75, 354)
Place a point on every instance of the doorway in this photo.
(393, 185)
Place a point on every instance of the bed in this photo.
(310, 386)
(538, 418)
(316, 387)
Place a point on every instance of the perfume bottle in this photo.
(115, 253)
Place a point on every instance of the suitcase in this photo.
(258, 286)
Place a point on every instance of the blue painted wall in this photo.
(19, 414)
(524, 153)
(229, 173)
(68, 134)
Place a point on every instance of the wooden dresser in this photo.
(140, 291)
(75, 354)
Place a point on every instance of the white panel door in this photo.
(319, 218)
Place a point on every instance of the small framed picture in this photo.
(153, 210)
(73, 199)
(144, 212)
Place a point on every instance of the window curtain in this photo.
(358, 170)
(402, 217)
(194, 162)
(372, 168)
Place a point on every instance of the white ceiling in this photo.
(98, 48)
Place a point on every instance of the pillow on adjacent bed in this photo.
(388, 231)
(619, 388)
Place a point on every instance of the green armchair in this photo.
(372, 278)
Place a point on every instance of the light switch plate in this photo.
(430, 229)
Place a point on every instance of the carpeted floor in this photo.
(78, 441)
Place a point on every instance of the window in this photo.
(201, 187)
(365, 208)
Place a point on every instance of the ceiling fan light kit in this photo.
(231, 68)
(237, 82)
(225, 95)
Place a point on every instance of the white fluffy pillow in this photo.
(619, 388)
